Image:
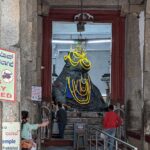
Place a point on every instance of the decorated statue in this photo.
(74, 86)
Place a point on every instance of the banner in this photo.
(7, 75)
(36, 94)
(10, 136)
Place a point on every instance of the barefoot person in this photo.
(26, 129)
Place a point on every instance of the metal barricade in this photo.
(80, 136)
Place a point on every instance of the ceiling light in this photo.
(86, 41)
(99, 41)
(63, 41)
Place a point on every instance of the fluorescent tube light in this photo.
(99, 41)
(87, 41)
(63, 41)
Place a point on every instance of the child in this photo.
(26, 129)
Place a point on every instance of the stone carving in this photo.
(74, 86)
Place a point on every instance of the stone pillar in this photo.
(30, 45)
(19, 32)
(9, 39)
(147, 69)
(133, 73)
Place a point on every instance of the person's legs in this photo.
(110, 140)
(61, 127)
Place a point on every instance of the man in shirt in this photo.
(110, 122)
(61, 119)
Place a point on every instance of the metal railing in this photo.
(98, 140)
(43, 132)
(46, 115)
(120, 132)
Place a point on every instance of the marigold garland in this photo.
(78, 94)
(77, 57)
(81, 88)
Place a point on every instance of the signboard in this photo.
(36, 93)
(79, 127)
(7, 75)
(11, 136)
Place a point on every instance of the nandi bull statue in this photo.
(74, 87)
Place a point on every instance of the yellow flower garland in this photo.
(78, 58)
(80, 91)
(77, 95)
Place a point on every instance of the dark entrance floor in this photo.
(59, 148)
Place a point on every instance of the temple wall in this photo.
(21, 31)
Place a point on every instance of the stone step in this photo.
(89, 118)
(71, 127)
(69, 136)
(85, 120)
(82, 114)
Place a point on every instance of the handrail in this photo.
(45, 131)
(116, 139)
(120, 133)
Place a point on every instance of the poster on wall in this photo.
(36, 93)
(10, 136)
(7, 75)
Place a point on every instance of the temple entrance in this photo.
(54, 27)
(96, 41)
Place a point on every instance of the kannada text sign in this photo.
(7, 75)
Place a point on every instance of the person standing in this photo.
(111, 121)
(61, 117)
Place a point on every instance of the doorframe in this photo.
(118, 43)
